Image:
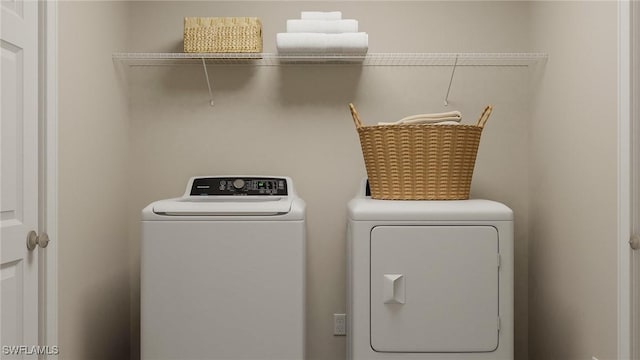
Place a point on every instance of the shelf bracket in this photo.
(453, 71)
(206, 76)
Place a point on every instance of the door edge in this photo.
(48, 176)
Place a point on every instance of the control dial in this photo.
(238, 183)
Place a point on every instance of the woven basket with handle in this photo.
(222, 35)
(420, 161)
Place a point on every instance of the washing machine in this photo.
(429, 280)
(223, 271)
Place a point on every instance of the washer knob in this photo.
(238, 183)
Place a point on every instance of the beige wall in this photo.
(572, 253)
(299, 113)
(93, 136)
(123, 148)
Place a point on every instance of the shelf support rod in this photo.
(206, 76)
(453, 71)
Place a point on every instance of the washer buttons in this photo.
(238, 183)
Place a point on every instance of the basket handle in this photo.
(354, 114)
(485, 116)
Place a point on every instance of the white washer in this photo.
(222, 271)
(429, 279)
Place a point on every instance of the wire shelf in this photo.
(371, 59)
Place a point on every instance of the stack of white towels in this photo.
(318, 32)
(446, 118)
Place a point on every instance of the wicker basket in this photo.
(222, 35)
(420, 162)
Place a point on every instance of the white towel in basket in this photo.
(447, 123)
(450, 118)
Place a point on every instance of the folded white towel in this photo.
(423, 121)
(321, 15)
(322, 26)
(447, 123)
(313, 43)
(448, 118)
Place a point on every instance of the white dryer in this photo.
(222, 271)
(429, 280)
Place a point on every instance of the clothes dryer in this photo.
(429, 280)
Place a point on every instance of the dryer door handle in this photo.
(393, 289)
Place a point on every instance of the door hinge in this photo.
(499, 323)
(499, 261)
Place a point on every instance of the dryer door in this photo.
(434, 288)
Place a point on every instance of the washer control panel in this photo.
(231, 186)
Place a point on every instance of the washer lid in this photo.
(224, 206)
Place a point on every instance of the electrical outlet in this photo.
(339, 324)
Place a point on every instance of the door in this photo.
(434, 289)
(19, 178)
